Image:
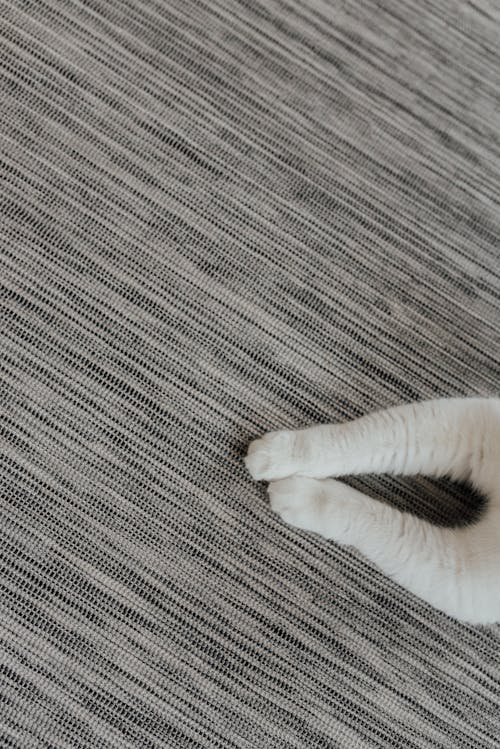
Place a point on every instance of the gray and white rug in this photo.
(219, 218)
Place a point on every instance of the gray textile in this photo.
(220, 218)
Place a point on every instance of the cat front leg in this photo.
(446, 436)
(453, 569)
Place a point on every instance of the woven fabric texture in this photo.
(219, 218)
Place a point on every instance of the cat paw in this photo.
(324, 506)
(272, 456)
(299, 501)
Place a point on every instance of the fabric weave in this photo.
(220, 218)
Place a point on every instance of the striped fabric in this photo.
(220, 217)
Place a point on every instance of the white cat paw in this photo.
(272, 456)
(324, 506)
(299, 501)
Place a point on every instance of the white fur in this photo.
(456, 570)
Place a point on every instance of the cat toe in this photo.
(271, 456)
(297, 500)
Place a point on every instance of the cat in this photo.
(456, 570)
